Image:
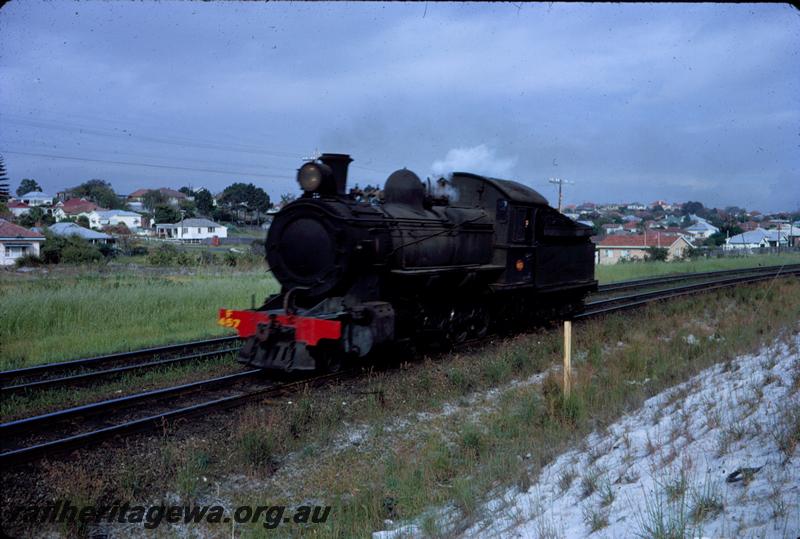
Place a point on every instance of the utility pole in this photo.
(560, 183)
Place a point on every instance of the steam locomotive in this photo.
(418, 267)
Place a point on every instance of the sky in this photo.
(631, 102)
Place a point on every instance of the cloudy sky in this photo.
(631, 102)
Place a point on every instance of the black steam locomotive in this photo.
(417, 267)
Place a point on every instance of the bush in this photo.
(657, 253)
(29, 261)
(69, 249)
(165, 255)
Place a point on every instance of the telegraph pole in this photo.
(560, 183)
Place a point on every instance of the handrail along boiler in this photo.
(356, 276)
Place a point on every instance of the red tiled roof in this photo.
(78, 205)
(139, 193)
(10, 230)
(651, 239)
(630, 226)
(17, 204)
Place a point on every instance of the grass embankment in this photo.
(397, 443)
(61, 316)
(637, 270)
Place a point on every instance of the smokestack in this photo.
(338, 163)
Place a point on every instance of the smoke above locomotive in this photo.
(415, 266)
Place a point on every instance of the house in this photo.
(757, 239)
(72, 229)
(701, 229)
(191, 230)
(36, 198)
(74, 207)
(18, 208)
(631, 227)
(16, 242)
(636, 206)
(101, 218)
(612, 249)
(612, 228)
(792, 233)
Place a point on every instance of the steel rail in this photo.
(93, 375)
(118, 403)
(626, 302)
(119, 356)
(29, 453)
(650, 281)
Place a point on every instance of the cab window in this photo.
(522, 225)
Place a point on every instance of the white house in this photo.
(18, 208)
(701, 229)
(613, 228)
(756, 239)
(191, 230)
(101, 218)
(36, 198)
(73, 208)
(16, 242)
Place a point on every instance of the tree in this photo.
(98, 191)
(4, 189)
(164, 213)
(36, 217)
(695, 208)
(286, 198)
(204, 201)
(657, 253)
(187, 191)
(187, 208)
(252, 197)
(83, 221)
(26, 186)
(153, 198)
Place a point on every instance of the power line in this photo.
(151, 165)
(127, 134)
(170, 158)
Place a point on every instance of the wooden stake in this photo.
(567, 357)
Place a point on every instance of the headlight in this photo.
(309, 177)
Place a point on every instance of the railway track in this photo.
(30, 438)
(101, 368)
(93, 369)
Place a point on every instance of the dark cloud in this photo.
(632, 102)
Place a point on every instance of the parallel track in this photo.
(81, 371)
(39, 424)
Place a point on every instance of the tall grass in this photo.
(460, 451)
(636, 270)
(49, 317)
